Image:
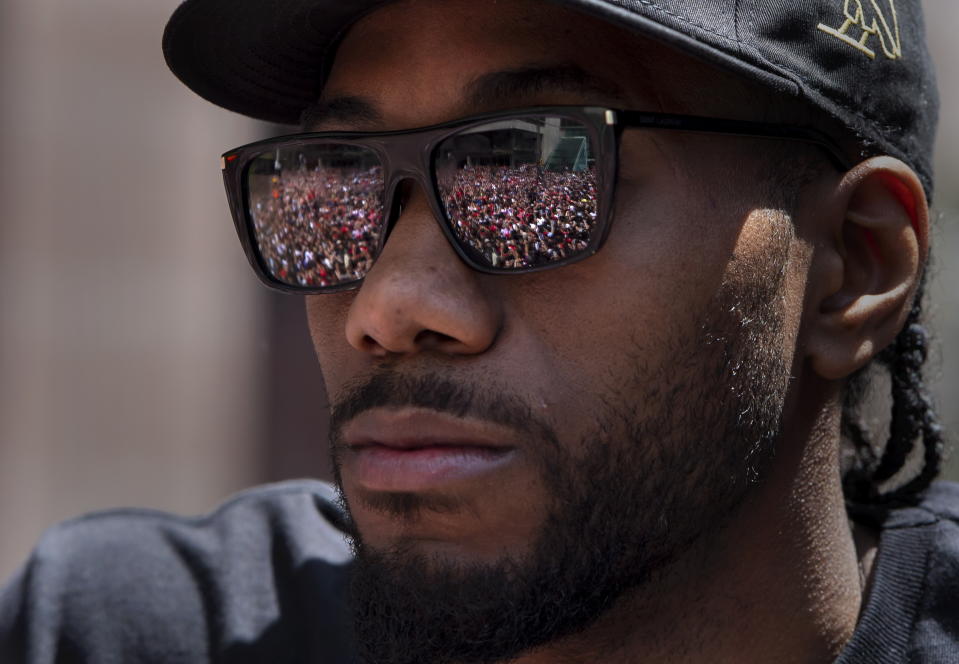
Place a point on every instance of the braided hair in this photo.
(913, 425)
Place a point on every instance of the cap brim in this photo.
(269, 59)
(264, 59)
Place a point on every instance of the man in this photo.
(597, 290)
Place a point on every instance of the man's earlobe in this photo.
(866, 275)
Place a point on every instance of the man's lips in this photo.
(415, 449)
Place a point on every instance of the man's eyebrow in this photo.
(489, 90)
(485, 91)
(349, 110)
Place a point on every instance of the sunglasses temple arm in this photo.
(640, 119)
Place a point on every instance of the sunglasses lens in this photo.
(520, 193)
(317, 212)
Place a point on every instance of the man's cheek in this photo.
(335, 357)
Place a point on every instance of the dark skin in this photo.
(782, 580)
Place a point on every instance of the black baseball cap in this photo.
(864, 62)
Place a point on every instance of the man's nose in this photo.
(420, 296)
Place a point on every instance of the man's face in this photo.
(588, 424)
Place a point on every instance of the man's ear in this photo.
(867, 265)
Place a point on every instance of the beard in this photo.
(673, 452)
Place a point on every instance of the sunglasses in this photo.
(513, 192)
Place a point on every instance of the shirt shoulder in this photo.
(142, 585)
(942, 500)
(936, 632)
(912, 611)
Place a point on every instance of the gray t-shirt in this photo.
(263, 579)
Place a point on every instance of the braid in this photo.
(913, 420)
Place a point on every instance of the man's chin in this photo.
(447, 537)
(469, 522)
(426, 601)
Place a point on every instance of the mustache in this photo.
(391, 389)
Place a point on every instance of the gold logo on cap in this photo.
(869, 19)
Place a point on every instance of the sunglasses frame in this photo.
(409, 154)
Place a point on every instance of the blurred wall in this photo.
(942, 21)
(140, 363)
(129, 320)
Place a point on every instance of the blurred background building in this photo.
(140, 361)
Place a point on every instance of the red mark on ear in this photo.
(873, 244)
(904, 195)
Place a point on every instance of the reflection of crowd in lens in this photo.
(318, 228)
(521, 217)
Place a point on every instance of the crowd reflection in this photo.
(320, 227)
(521, 217)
